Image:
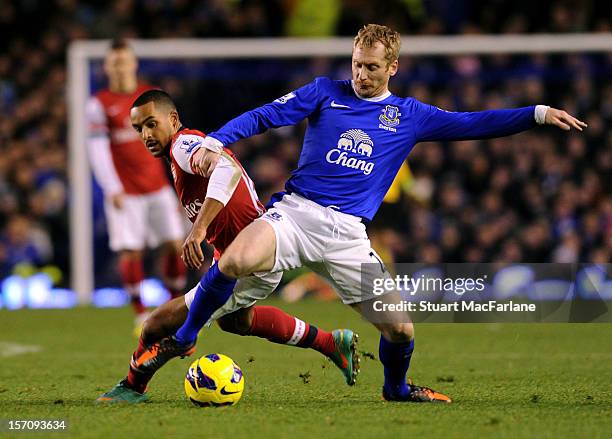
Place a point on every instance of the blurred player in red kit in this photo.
(141, 207)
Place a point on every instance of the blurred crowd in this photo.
(539, 196)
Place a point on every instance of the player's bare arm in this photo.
(192, 251)
(100, 154)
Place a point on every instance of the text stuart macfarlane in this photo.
(473, 306)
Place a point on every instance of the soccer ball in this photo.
(214, 380)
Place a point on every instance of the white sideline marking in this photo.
(12, 349)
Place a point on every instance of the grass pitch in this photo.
(510, 380)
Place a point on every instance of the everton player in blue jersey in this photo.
(358, 136)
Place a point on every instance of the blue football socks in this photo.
(214, 289)
(395, 357)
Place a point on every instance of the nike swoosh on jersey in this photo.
(335, 105)
(225, 392)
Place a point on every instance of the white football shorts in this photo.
(331, 243)
(146, 220)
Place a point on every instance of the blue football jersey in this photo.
(354, 147)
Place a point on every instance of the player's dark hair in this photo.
(120, 43)
(159, 97)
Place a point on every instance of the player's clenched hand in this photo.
(563, 120)
(204, 161)
(117, 200)
(192, 251)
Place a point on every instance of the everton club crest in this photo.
(389, 118)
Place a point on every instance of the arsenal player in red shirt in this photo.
(219, 207)
(140, 206)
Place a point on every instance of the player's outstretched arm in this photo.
(286, 110)
(563, 120)
(434, 124)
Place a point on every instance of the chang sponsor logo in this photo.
(353, 143)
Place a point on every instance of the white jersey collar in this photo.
(374, 99)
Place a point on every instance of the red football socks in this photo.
(136, 380)
(175, 274)
(131, 271)
(279, 327)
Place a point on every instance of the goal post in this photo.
(82, 53)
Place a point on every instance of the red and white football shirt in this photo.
(129, 167)
(229, 184)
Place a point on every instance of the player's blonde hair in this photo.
(371, 34)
